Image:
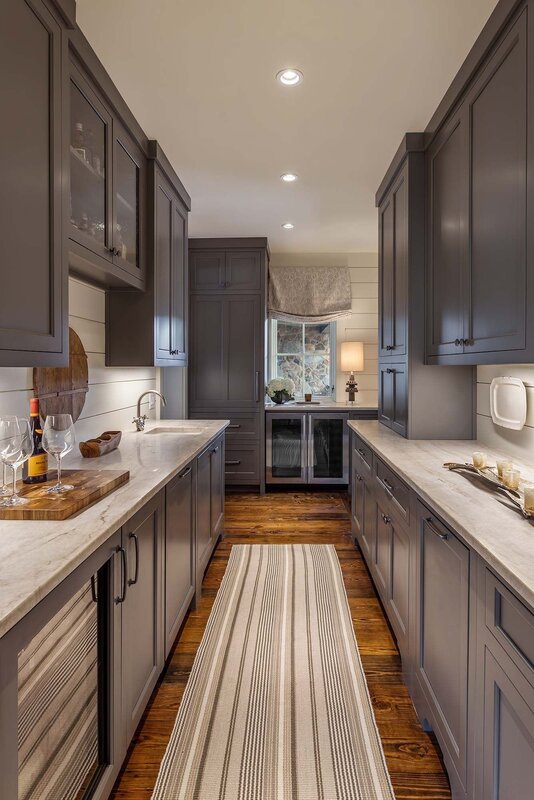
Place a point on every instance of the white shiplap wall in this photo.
(519, 444)
(113, 392)
(362, 326)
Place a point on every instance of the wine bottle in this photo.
(35, 470)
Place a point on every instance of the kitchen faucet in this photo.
(139, 420)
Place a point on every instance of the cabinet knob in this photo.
(386, 519)
(358, 477)
(390, 371)
(390, 347)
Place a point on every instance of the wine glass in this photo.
(58, 440)
(4, 489)
(17, 450)
(10, 452)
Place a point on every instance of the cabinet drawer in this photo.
(361, 451)
(242, 464)
(511, 623)
(394, 489)
(242, 427)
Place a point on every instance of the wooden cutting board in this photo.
(62, 390)
(90, 485)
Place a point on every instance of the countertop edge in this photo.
(21, 609)
(516, 583)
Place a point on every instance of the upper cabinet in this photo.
(393, 215)
(477, 164)
(108, 179)
(226, 270)
(34, 299)
(159, 335)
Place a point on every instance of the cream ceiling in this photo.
(199, 76)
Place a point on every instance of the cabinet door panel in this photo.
(179, 553)
(394, 269)
(129, 191)
(498, 109)
(203, 516)
(33, 300)
(383, 552)
(142, 645)
(357, 503)
(208, 271)
(442, 666)
(447, 170)
(179, 283)
(163, 267)
(243, 271)
(243, 329)
(393, 397)
(217, 489)
(209, 383)
(400, 585)
(508, 736)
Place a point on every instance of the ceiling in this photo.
(199, 75)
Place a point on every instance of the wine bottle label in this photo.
(37, 465)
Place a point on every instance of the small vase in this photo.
(281, 397)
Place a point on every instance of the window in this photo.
(304, 352)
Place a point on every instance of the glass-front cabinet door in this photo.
(287, 448)
(127, 186)
(90, 142)
(328, 448)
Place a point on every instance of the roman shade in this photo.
(309, 294)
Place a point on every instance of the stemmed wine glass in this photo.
(4, 489)
(16, 446)
(58, 440)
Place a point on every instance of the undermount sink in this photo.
(182, 429)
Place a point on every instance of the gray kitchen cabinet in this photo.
(393, 257)
(383, 551)
(226, 270)
(107, 176)
(478, 214)
(159, 335)
(34, 296)
(507, 759)
(226, 351)
(393, 391)
(363, 502)
(142, 610)
(447, 241)
(442, 663)
(209, 505)
(415, 400)
(179, 562)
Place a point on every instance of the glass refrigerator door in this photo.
(328, 448)
(286, 448)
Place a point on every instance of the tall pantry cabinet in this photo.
(227, 333)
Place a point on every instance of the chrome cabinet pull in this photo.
(93, 589)
(361, 452)
(388, 485)
(386, 519)
(257, 388)
(185, 473)
(443, 536)
(232, 463)
(132, 582)
(233, 427)
(358, 477)
(120, 598)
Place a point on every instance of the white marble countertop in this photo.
(322, 405)
(493, 529)
(36, 556)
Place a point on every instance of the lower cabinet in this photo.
(179, 562)
(393, 396)
(209, 504)
(141, 596)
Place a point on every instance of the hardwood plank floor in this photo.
(412, 756)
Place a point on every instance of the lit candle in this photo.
(511, 478)
(502, 466)
(480, 460)
(529, 500)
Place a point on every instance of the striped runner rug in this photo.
(277, 706)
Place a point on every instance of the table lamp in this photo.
(351, 361)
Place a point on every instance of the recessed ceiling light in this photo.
(290, 77)
(289, 177)
(288, 226)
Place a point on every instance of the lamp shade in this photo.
(351, 356)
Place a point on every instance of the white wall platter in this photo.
(508, 403)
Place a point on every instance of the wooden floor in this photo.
(412, 757)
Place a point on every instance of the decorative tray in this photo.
(490, 477)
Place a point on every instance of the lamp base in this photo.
(352, 388)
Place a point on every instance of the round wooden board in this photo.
(62, 390)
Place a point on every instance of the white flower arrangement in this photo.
(280, 385)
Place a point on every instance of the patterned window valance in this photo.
(309, 294)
